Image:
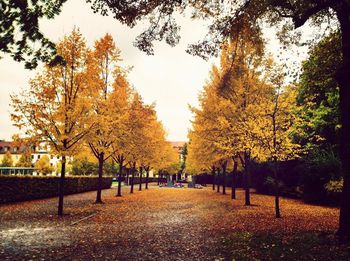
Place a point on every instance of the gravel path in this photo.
(157, 224)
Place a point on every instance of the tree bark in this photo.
(213, 174)
(247, 178)
(99, 182)
(343, 78)
(277, 191)
(133, 169)
(140, 184)
(233, 184)
(218, 180)
(120, 178)
(224, 165)
(61, 187)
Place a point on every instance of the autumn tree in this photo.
(43, 166)
(275, 129)
(137, 118)
(183, 153)
(25, 160)
(151, 134)
(120, 105)
(155, 148)
(168, 160)
(105, 66)
(56, 108)
(204, 152)
(239, 85)
(7, 160)
(84, 162)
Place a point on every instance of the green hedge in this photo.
(20, 188)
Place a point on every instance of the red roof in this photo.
(12, 147)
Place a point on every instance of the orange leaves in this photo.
(150, 223)
(43, 165)
(244, 108)
(56, 106)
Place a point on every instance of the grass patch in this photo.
(279, 246)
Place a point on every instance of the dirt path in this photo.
(158, 224)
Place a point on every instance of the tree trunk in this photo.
(61, 187)
(99, 182)
(247, 178)
(147, 176)
(224, 165)
(140, 184)
(120, 179)
(218, 180)
(277, 191)
(343, 78)
(132, 179)
(233, 184)
(213, 174)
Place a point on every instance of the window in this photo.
(39, 156)
(51, 157)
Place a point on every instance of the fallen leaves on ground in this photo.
(167, 224)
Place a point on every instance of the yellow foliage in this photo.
(43, 166)
(245, 111)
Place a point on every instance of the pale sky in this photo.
(171, 78)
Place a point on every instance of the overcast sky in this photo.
(171, 78)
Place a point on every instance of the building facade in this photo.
(37, 152)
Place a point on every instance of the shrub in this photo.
(319, 168)
(20, 188)
(334, 186)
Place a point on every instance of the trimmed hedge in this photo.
(20, 188)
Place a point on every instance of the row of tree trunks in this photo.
(224, 167)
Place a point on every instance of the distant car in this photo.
(198, 186)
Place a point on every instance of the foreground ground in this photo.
(168, 224)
